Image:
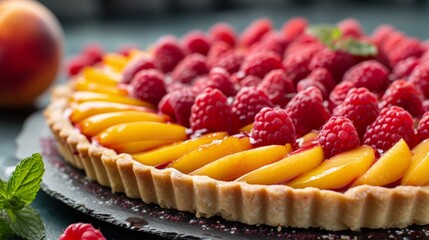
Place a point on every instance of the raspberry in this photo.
(220, 79)
(405, 95)
(381, 33)
(126, 50)
(361, 107)
(273, 126)
(294, 28)
(167, 54)
(211, 112)
(340, 91)
(231, 61)
(404, 67)
(323, 76)
(305, 42)
(307, 111)
(223, 32)
(338, 135)
(350, 27)
(247, 103)
(423, 127)
(273, 42)
(216, 51)
(391, 125)
(76, 64)
(369, 74)
(296, 65)
(420, 78)
(277, 86)
(393, 40)
(134, 67)
(178, 105)
(189, 68)
(196, 42)
(255, 31)
(337, 62)
(250, 81)
(148, 85)
(406, 48)
(308, 82)
(94, 53)
(81, 231)
(261, 63)
(426, 105)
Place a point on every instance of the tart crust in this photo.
(274, 205)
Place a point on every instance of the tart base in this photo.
(273, 205)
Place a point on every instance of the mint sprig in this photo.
(332, 37)
(16, 216)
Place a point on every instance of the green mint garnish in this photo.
(331, 36)
(16, 194)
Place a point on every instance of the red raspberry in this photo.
(76, 64)
(126, 50)
(178, 105)
(211, 112)
(420, 78)
(391, 125)
(231, 61)
(338, 135)
(273, 126)
(393, 40)
(369, 74)
(220, 79)
(381, 33)
(216, 51)
(426, 105)
(250, 81)
(337, 62)
(423, 127)
(404, 68)
(350, 27)
(305, 42)
(308, 82)
(296, 65)
(277, 86)
(148, 85)
(339, 93)
(307, 111)
(255, 31)
(261, 63)
(189, 68)
(406, 48)
(196, 42)
(134, 67)
(94, 53)
(294, 28)
(361, 107)
(273, 42)
(223, 32)
(247, 103)
(323, 76)
(167, 54)
(78, 231)
(405, 95)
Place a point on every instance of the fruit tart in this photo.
(307, 126)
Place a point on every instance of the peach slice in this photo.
(247, 128)
(389, 168)
(338, 171)
(140, 146)
(82, 85)
(235, 165)
(100, 76)
(88, 109)
(83, 96)
(210, 152)
(307, 138)
(115, 61)
(416, 174)
(95, 124)
(286, 168)
(172, 152)
(141, 131)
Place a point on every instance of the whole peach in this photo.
(31, 46)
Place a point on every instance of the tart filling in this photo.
(288, 151)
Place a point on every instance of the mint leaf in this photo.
(24, 183)
(327, 34)
(27, 223)
(3, 195)
(357, 48)
(5, 230)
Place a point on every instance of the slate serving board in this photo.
(69, 185)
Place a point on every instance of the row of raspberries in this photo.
(289, 82)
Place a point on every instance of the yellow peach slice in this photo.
(88, 109)
(338, 171)
(95, 124)
(247, 128)
(141, 131)
(235, 165)
(210, 152)
(172, 152)
(286, 168)
(82, 85)
(83, 96)
(115, 61)
(307, 138)
(100, 76)
(140, 146)
(389, 168)
(417, 173)
(422, 147)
